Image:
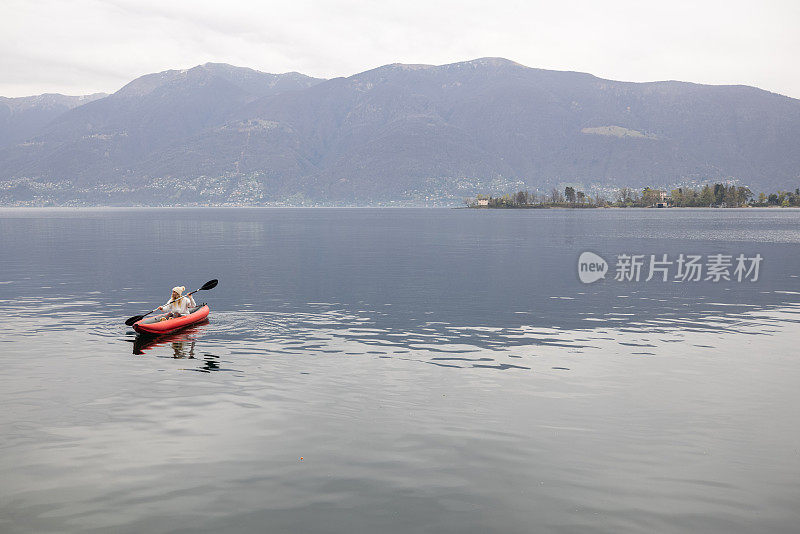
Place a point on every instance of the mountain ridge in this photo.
(417, 133)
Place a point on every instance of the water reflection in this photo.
(182, 345)
(182, 341)
(210, 363)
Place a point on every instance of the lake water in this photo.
(397, 370)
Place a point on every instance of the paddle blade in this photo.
(134, 319)
(211, 284)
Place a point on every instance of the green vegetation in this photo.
(709, 196)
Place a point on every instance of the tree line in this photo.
(710, 195)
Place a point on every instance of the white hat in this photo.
(179, 289)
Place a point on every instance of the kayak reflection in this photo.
(182, 342)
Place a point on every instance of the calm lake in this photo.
(399, 370)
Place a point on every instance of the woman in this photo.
(178, 305)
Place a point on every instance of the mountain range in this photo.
(397, 134)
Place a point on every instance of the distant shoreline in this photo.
(619, 207)
(556, 208)
(717, 195)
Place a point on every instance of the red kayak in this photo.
(158, 325)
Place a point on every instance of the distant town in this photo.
(709, 196)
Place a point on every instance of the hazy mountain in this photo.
(105, 140)
(21, 118)
(218, 133)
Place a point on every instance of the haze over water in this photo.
(397, 370)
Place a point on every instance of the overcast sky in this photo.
(84, 46)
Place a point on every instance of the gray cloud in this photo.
(87, 46)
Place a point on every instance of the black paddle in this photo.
(211, 284)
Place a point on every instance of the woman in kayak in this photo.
(178, 305)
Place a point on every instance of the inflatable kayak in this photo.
(157, 325)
